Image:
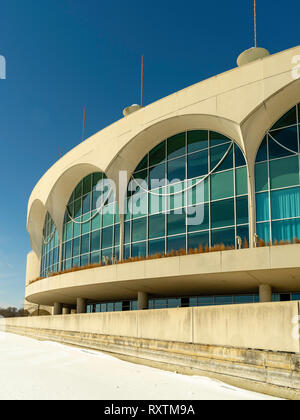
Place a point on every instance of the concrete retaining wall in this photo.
(252, 346)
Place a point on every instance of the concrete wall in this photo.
(257, 326)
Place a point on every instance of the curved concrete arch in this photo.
(259, 122)
(35, 225)
(135, 150)
(61, 191)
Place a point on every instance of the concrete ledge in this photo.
(272, 373)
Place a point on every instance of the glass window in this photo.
(157, 226)
(139, 230)
(284, 172)
(289, 118)
(198, 218)
(195, 240)
(176, 146)
(158, 154)
(262, 154)
(261, 177)
(176, 170)
(224, 300)
(198, 164)
(95, 240)
(176, 243)
(285, 203)
(217, 154)
(85, 244)
(286, 230)
(241, 181)
(222, 185)
(222, 213)
(223, 236)
(197, 140)
(107, 237)
(176, 223)
(157, 247)
(217, 138)
(242, 210)
(139, 250)
(239, 157)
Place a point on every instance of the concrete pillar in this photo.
(265, 293)
(66, 311)
(57, 310)
(143, 301)
(81, 306)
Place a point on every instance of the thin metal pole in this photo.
(83, 134)
(255, 24)
(142, 86)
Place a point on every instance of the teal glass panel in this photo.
(243, 233)
(242, 210)
(284, 172)
(69, 230)
(95, 241)
(96, 222)
(139, 250)
(261, 177)
(289, 118)
(95, 258)
(127, 232)
(157, 175)
(195, 240)
(224, 300)
(198, 164)
(96, 200)
(85, 228)
(198, 218)
(108, 216)
(200, 193)
(222, 213)
(217, 138)
(276, 151)
(263, 231)
(78, 191)
(239, 157)
(157, 226)
(117, 235)
(242, 181)
(176, 223)
(87, 185)
(222, 185)
(157, 203)
(174, 303)
(262, 207)
(177, 146)
(243, 299)
(157, 246)
(107, 237)
(76, 262)
(223, 236)
(216, 156)
(77, 208)
(107, 253)
(143, 164)
(77, 229)
(76, 247)
(176, 170)
(197, 140)
(176, 243)
(286, 230)
(68, 250)
(85, 244)
(139, 205)
(68, 264)
(158, 154)
(139, 229)
(95, 180)
(262, 154)
(288, 137)
(285, 203)
(127, 252)
(205, 301)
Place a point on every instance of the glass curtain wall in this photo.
(90, 236)
(50, 248)
(278, 182)
(211, 212)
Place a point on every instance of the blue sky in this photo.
(64, 54)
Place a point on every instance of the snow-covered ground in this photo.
(31, 369)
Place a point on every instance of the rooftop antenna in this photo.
(83, 134)
(142, 85)
(254, 53)
(255, 24)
